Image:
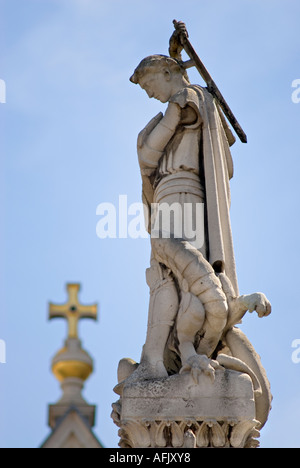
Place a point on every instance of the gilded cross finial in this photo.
(72, 310)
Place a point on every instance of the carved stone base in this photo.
(177, 412)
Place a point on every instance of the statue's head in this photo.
(157, 74)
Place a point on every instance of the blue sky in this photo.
(68, 143)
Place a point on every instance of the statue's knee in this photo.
(217, 314)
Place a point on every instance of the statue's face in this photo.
(157, 85)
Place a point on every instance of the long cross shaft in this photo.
(212, 87)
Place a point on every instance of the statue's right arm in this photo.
(151, 144)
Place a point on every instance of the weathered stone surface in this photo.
(177, 412)
(229, 397)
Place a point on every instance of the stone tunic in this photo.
(199, 151)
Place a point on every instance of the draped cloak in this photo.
(218, 170)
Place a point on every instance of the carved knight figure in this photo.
(195, 304)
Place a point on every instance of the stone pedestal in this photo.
(177, 412)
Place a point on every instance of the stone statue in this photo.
(185, 162)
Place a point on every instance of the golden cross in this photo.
(72, 310)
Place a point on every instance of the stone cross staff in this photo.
(180, 40)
